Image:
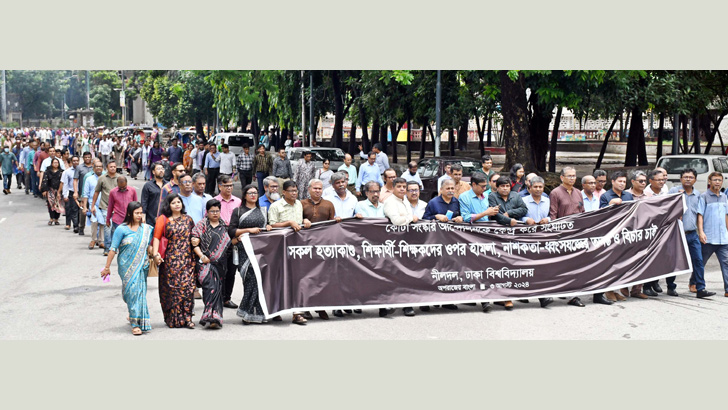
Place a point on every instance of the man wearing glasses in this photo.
(194, 204)
(370, 207)
(289, 213)
(228, 202)
(413, 197)
(639, 183)
(600, 177)
(590, 198)
(388, 189)
(567, 200)
(690, 226)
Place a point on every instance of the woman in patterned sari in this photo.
(210, 242)
(176, 267)
(251, 219)
(304, 172)
(132, 242)
(49, 187)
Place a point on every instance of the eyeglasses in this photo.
(413, 191)
(252, 193)
(186, 182)
(213, 212)
(641, 181)
(570, 176)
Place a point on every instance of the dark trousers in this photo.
(246, 177)
(34, 182)
(27, 181)
(71, 211)
(230, 274)
(211, 181)
(19, 180)
(81, 220)
(261, 176)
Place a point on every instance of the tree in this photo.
(40, 92)
(516, 134)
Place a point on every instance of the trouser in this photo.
(211, 183)
(96, 234)
(109, 234)
(7, 180)
(261, 176)
(27, 181)
(34, 182)
(147, 173)
(19, 180)
(232, 271)
(71, 211)
(721, 251)
(280, 183)
(352, 189)
(104, 160)
(81, 220)
(246, 177)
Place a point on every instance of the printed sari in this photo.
(131, 250)
(249, 308)
(214, 243)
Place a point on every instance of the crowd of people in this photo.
(187, 225)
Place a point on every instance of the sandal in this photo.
(56, 223)
(299, 319)
(136, 331)
(190, 325)
(50, 222)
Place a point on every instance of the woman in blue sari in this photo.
(132, 241)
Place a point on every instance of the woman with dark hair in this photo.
(248, 219)
(176, 266)
(49, 187)
(155, 154)
(132, 241)
(518, 178)
(210, 242)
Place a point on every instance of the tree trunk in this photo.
(451, 141)
(636, 151)
(463, 135)
(364, 129)
(709, 121)
(489, 141)
(392, 128)
(660, 128)
(409, 141)
(432, 135)
(337, 139)
(554, 139)
(696, 134)
(481, 131)
(352, 139)
(539, 131)
(423, 137)
(383, 138)
(199, 129)
(606, 140)
(375, 130)
(684, 122)
(516, 136)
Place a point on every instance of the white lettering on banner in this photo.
(509, 285)
(484, 248)
(522, 247)
(508, 273)
(473, 274)
(300, 251)
(570, 245)
(437, 275)
(412, 250)
(650, 232)
(424, 227)
(387, 249)
(335, 251)
(459, 249)
(450, 288)
(397, 228)
(557, 226)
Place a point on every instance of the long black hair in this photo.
(129, 218)
(245, 193)
(167, 209)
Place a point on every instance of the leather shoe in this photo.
(347, 311)
(640, 296)
(508, 305)
(469, 304)
(704, 294)
(545, 301)
(523, 300)
(486, 307)
(424, 308)
(307, 315)
(625, 292)
(672, 292)
(656, 287)
(450, 307)
(619, 296)
(338, 313)
(610, 296)
(230, 304)
(322, 314)
(357, 310)
(693, 289)
(408, 311)
(575, 302)
(601, 300)
(384, 312)
(649, 292)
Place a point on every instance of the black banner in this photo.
(371, 263)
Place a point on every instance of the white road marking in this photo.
(3, 220)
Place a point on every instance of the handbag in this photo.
(153, 270)
(163, 242)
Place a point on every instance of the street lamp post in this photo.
(438, 95)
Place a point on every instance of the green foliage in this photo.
(40, 92)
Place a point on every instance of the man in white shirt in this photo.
(399, 212)
(382, 160)
(227, 161)
(106, 146)
(413, 198)
(343, 200)
(446, 175)
(412, 175)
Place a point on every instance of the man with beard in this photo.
(151, 193)
(412, 175)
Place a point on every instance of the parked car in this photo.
(334, 155)
(120, 131)
(430, 169)
(185, 136)
(703, 164)
(235, 140)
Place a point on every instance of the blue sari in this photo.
(131, 248)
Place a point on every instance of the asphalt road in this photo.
(50, 288)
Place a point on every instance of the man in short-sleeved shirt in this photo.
(713, 230)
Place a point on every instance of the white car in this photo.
(235, 140)
(703, 164)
